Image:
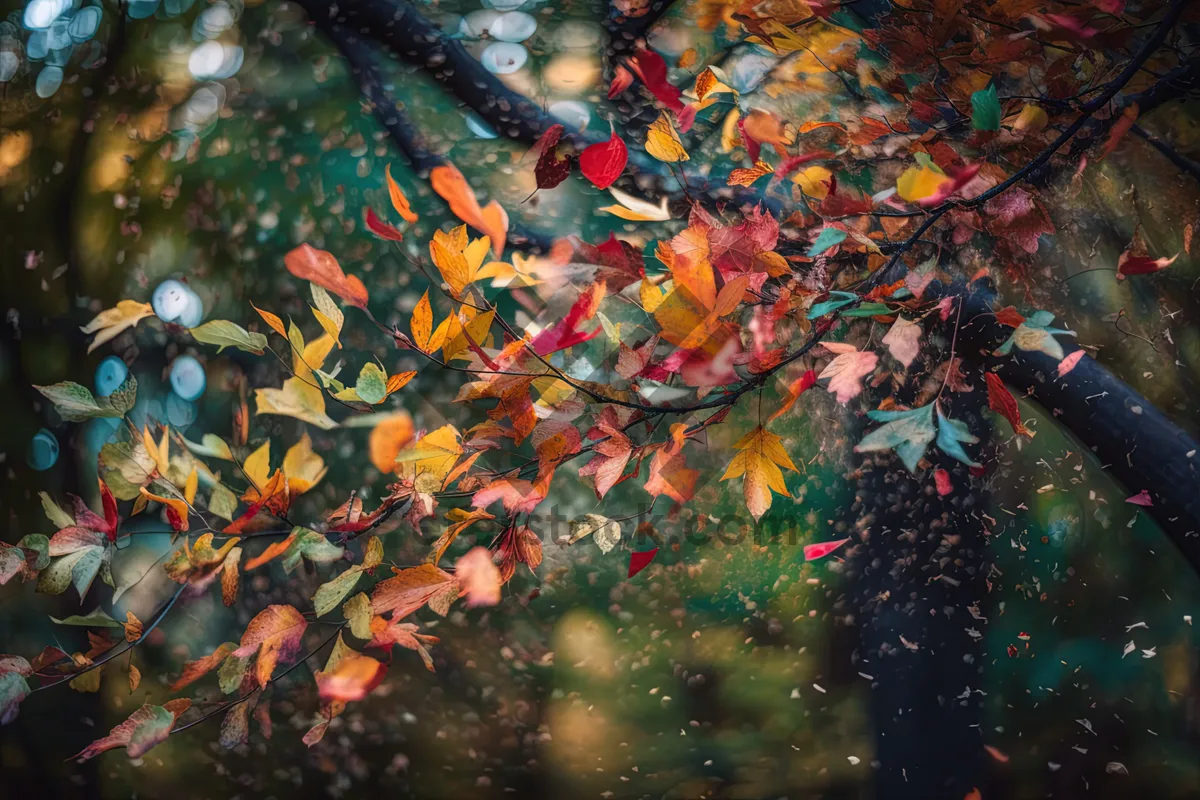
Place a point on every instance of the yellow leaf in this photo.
(457, 260)
(179, 519)
(814, 182)
(1032, 118)
(730, 136)
(745, 177)
(422, 323)
(257, 465)
(758, 463)
(327, 313)
(303, 467)
(298, 399)
(919, 182)
(112, 321)
(662, 140)
(637, 210)
(189, 488)
(435, 453)
(160, 452)
(399, 201)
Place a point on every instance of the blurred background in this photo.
(201, 141)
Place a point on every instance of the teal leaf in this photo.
(907, 432)
(828, 306)
(985, 110)
(829, 237)
(950, 433)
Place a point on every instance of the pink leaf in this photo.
(1142, 498)
(941, 479)
(1068, 363)
(478, 577)
(845, 373)
(814, 551)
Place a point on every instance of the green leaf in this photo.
(823, 308)
(96, 618)
(124, 398)
(55, 512)
(75, 403)
(224, 333)
(222, 502)
(13, 689)
(310, 545)
(231, 672)
(985, 110)
(827, 239)
(867, 310)
(330, 593)
(78, 569)
(40, 544)
(950, 433)
(907, 432)
(371, 384)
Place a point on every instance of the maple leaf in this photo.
(903, 340)
(758, 463)
(110, 322)
(951, 434)
(669, 473)
(457, 258)
(387, 635)
(275, 633)
(145, 728)
(610, 454)
(909, 433)
(517, 544)
(1035, 334)
(410, 589)
(1016, 215)
(794, 390)
(846, 371)
(565, 333)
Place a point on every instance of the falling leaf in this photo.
(1129, 264)
(110, 322)
(1069, 363)
(846, 371)
(321, 267)
(135, 678)
(605, 532)
(794, 390)
(602, 163)
(639, 561)
(390, 435)
(1142, 498)
(758, 462)
(380, 228)
(746, 177)
(274, 634)
(1003, 403)
(637, 210)
(478, 578)
(491, 220)
(814, 551)
(550, 170)
(1034, 334)
(399, 201)
(903, 340)
(951, 433)
(662, 141)
(177, 510)
(352, 678)
(133, 627)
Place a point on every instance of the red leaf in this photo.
(1009, 316)
(1003, 403)
(550, 170)
(381, 228)
(652, 70)
(110, 511)
(621, 81)
(639, 561)
(814, 551)
(788, 165)
(603, 162)
(1129, 264)
(941, 479)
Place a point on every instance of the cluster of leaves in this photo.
(625, 342)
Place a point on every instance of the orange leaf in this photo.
(410, 589)
(319, 266)
(273, 551)
(422, 323)
(387, 439)
(478, 577)
(452, 186)
(399, 201)
(275, 633)
(352, 678)
(398, 381)
(271, 319)
(745, 177)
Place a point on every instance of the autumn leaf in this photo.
(390, 435)
(274, 634)
(1129, 264)
(550, 170)
(814, 551)
(460, 519)
(639, 561)
(746, 177)
(794, 390)
(602, 163)
(177, 510)
(903, 340)
(380, 228)
(352, 678)
(422, 323)
(1003, 403)
(412, 588)
(399, 201)
(909, 433)
(457, 258)
(272, 320)
(491, 220)
(662, 141)
(321, 267)
(132, 626)
(846, 371)
(635, 209)
(478, 578)
(758, 463)
(145, 728)
(110, 322)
